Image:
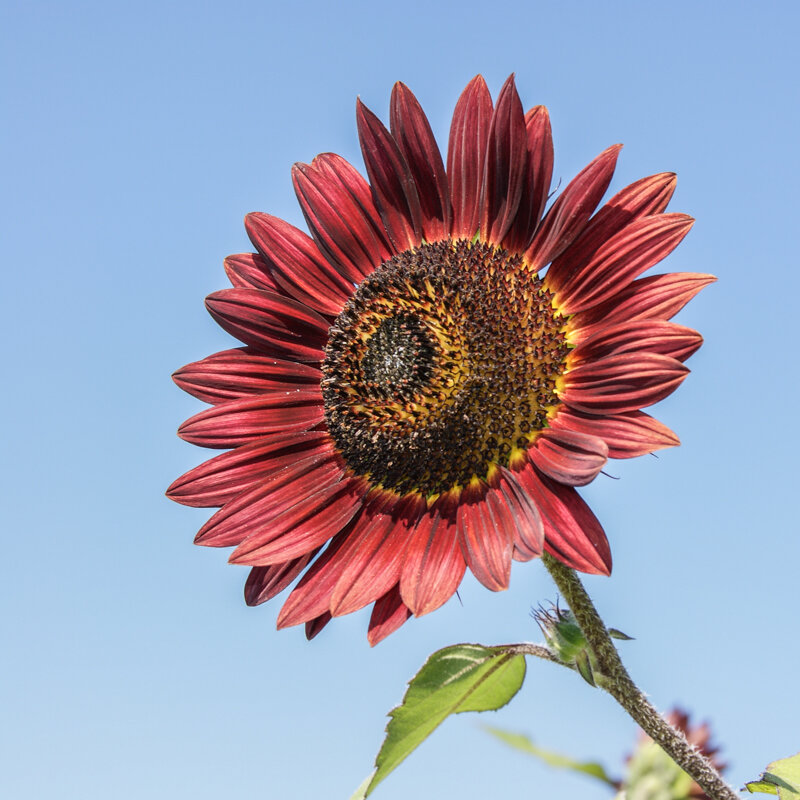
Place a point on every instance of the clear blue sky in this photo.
(135, 136)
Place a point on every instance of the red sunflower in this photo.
(414, 395)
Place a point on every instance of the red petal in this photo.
(297, 265)
(620, 383)
(375, 556)
(341, 227)
(528, 527)
(238, 422)
(643, 335)
(655, 297)
(220, 479)
(466, 155)
(433, 565)
(250, 271)
(644, 197)
(388, 614)
(486, 534)
(572, 533)
(627, 435)
(263, 583)
(314, 626)
(537, 179)
(571, 211)
(271, 323)
(506, 165)
(252, 512)
(571, 457)
(622, 258)
(240, 372)
(395, 193)
(412, 132)
(302, 526)
(311, 597)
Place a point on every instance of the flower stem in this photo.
(619, 685)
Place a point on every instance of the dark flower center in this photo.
(443, 363)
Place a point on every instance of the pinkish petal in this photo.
(506, 165)
(264, 583)
(314, 626)
(466, 155)
(572, 533)
(571, 211)
(433, 565)
(571, 457)
(644, 197)
(412, 132)
(220, 479)
(238, 422)
(485, 531)
(395, 193)
(297, 265)
(622, 258)
(240, 372)
(527, 526)
(620, 383)
(627, 435)
(654, 297)
(642, 335)
(388, 614)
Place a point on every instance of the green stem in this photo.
(619, 685)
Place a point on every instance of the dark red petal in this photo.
(375, 556)
(627, 435)
(620, 383)
(250, 271)
(263, 583)
(414, 137)
(644, 197)
(572, 533)
(433, 565)
(297, 265)
(271, 323)
(343, 174)
(528, 527)
(486, 534)
(537, 179)
(466, 155)
(571, 457)
(252, 512)
(240, 421)
(302, 526)
(388, 614)
(343, 231)
(642, 335)
(220, 479)
(314, 626)
(311, 597)
(394, 189)
(622, 258)
(506, 165)
(654, 297)
(571, 211)
(240, 372)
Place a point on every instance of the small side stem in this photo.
(620, 686)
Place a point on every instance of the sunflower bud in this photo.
(566, 640)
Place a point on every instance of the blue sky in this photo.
(134, 139)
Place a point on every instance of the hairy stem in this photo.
(619, 685)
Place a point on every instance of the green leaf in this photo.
(781, 777)
(464, 677)
(520, 742)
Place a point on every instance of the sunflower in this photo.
(428, 376)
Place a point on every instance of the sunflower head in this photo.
(428, 375)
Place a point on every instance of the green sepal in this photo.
(615, 633)
(584, 667)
